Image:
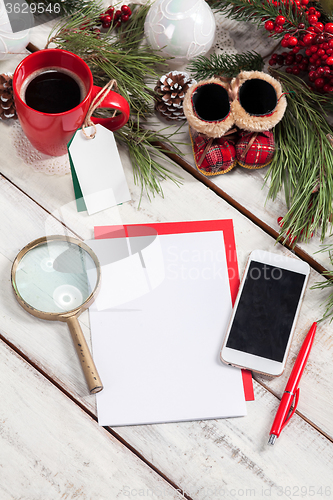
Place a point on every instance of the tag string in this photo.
(94, 105)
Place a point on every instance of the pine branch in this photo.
(224, 65)
(68, 7)
(132, 31)
(133, 66)
(119, 56)
(328, 304)
(303, 163)
(146, 156)
(257, 10)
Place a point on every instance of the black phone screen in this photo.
(266, 311)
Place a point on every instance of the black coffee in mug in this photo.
(53, 91)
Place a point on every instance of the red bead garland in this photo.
(316, 40)
(117, 17)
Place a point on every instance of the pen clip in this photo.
(292, 408)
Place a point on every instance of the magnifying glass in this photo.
(57, 278)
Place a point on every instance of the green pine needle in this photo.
(145, 153)
(255, 10)
(328, 284)
(225, 65)
(118, 55)
(303, 163)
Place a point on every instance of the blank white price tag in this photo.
(99, 170)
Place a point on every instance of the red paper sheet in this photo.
(225, 225)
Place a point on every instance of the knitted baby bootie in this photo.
(213, 156)
(208, 112)
(258, 105)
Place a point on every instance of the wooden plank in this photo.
(38, 338)
(50, 448)
(231, 459)
(229, 453)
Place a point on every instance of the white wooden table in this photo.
(51, 446)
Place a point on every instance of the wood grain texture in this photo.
(48, 346)
(51, 449)
(207, 460)
(232, 458)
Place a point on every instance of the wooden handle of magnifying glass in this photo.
(88, 366)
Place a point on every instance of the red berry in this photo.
(110, 10)
(107, 19)
(125, 18)
(296, 70)
(292, 41)
(118, 23)
(312, 10)
(284, 43)
(313, 19)
(312, 76)
(313, 49)
(271, 62)
(329, 61)
(278, 29)
(328, 27)
(280, 20)
(126, 10)
(318, 14)
(304, 2)
(106, 25)
(320, 39)
(301, 26)
(321, 52)
(286, 36)
(289, 70)
(319, 27)
(308, 39)
(319, 82)
(269, 25)
(118, 14)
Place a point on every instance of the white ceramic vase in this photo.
(182, 29)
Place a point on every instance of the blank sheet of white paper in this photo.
(157, 328)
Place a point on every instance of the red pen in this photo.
(287, 408)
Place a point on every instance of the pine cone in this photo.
(7, 106)
(171, 89)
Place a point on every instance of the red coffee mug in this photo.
(51, 132)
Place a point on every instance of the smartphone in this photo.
(265, 313)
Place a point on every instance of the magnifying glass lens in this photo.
(56, 277)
